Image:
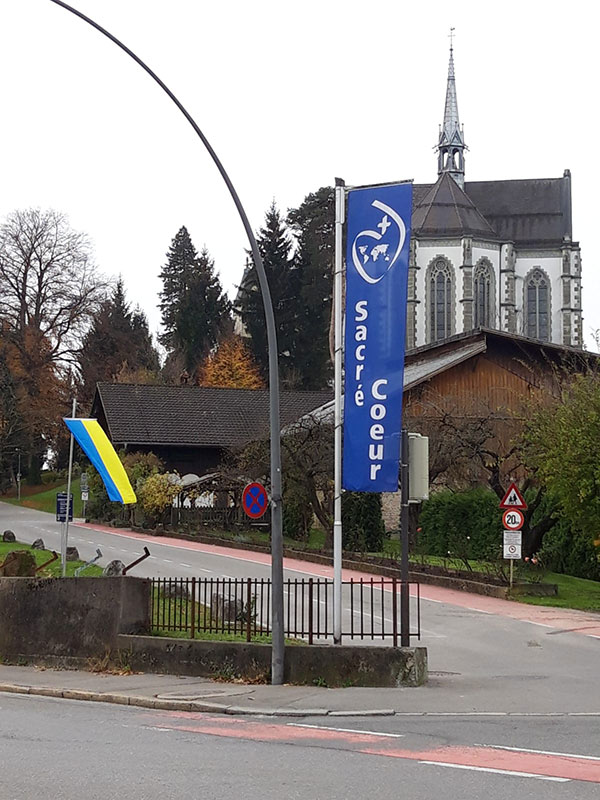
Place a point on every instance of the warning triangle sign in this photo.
(513, 498)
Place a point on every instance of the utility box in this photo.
(418, 467)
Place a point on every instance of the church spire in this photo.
(451, 144)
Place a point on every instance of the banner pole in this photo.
(64, 543)
(404, 564)
(338, 351)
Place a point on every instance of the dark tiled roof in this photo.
(528, 211)
(445, 210)
(194, 416)
(524, 211)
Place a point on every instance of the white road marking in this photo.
(539, 752)
(189, 566)
(344, 730)
(497, 771)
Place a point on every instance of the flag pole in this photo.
(340, 198)
(65, 530)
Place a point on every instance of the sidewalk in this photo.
(173, 693)
(444, 695)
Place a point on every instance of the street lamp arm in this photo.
(275, 430)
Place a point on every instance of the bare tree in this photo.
(48, 281)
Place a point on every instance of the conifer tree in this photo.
(195, 311)
(231, 366)
(313, 224)
(275, 248)
(118, 339)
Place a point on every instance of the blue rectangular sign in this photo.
(61, 507)
(378, 237)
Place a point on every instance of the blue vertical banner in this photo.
(378, 237)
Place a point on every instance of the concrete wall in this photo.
(333, 666)
(66, 622)
(74, 618)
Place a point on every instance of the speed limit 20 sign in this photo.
(513, 519)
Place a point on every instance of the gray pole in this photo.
(340, 198)
(65, 537)
(19, 474)
(404, 587)
(277, 651)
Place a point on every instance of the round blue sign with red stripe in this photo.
(255, 500)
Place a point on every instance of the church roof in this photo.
(525, 211)
(445, 210)
(531, 211)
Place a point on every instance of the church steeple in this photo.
(451, 144)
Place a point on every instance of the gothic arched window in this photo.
(483, 295)
(440, 300)
(537, 305)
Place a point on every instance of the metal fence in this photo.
(371, 608)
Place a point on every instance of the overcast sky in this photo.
(290, 94)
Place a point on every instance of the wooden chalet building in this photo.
(191, 428)
(468, 393)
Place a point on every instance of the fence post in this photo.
(310, 610)
(395, 612)
(249, 610)
(193, 611)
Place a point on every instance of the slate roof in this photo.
(534, 211)
(526, 211)
(445, 210)
(193, 416)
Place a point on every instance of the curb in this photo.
(181, 705)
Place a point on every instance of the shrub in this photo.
(570, 552)
(464, 525)
(156, 494)
(362, 522)
(297, 516)
(138, 466)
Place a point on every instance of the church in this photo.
(492, 254)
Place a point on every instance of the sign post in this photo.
(85, 491)
(513, 520)
(64, 541)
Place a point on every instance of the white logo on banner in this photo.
(365, 254)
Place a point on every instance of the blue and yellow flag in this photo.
(97, 447)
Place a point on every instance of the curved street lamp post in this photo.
(277, 658)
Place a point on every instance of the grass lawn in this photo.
(572, 593)
(43, 499)
(53, 570)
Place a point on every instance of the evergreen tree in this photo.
(275, 249)
(313, 224)
(231, 366)
(195, 311)
(118, 339)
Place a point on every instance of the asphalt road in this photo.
(68, 750)
(478, 661)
